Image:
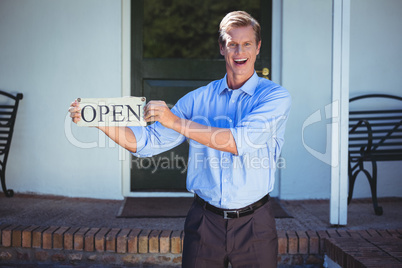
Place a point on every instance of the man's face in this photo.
(240, 52)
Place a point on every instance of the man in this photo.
(236, 130)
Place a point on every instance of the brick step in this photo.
(369, 248)
(131, 246)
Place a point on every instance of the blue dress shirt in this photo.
(256, 114)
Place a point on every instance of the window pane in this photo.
(188, 28)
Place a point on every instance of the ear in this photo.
(222, 49)
(258, 47)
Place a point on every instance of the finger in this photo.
(152, 109)
(154, 103)
(152, 119)
(149, 106)
(75, 103)
(75, 115)
(74, 109)
(149, 119)
(75, 120)
(149, 115)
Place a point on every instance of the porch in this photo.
(59, 231)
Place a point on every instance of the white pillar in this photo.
(125, 157)
(340, 112)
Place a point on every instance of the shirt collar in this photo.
(248, 87)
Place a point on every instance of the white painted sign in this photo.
(127, 111)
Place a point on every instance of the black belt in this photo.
(236, 213)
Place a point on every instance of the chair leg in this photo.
(373, 186)
(372, 179)
(352, 180)
(7, 192)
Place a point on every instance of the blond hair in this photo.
(238, 19)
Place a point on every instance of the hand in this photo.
(159, 111)
(75, 111)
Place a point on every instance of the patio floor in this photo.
(43, 210)
(298, 235)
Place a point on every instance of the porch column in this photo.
(124, 155)
(340, 111)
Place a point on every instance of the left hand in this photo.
(159, 111)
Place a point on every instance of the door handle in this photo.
(264, 72)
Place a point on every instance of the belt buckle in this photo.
(225, 214)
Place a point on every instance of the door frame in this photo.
(124, 155)
(126, 39)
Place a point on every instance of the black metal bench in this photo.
(374, 135)
(8, 113)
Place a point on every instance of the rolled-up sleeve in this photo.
(264, 126)
(155, 139)
(139, 133)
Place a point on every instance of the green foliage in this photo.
(188, 28)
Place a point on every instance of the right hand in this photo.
(75, 111)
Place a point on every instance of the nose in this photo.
(239, 49)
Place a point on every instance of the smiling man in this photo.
(236, 131)
(240, 47)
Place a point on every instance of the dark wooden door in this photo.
(175, 50)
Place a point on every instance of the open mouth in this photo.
(240, 61)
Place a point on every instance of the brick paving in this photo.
(377, 248)
(303, 239)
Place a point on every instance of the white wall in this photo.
(54, 52)
(306, 72)
(375, 61)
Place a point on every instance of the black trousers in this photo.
(211, 241)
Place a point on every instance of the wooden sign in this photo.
(127, 111)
